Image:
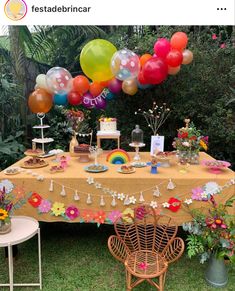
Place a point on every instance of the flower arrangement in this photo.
(6, 206)
(75, 118)
(212, 232)
(156, 116)
(189, 138)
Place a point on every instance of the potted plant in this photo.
(188, 143)
(6, 206)
(212, 236)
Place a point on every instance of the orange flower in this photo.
(87, 215)
(203, 145)
(19, 192)
(100, 216)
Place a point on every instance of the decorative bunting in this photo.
(113, 203)
(63, 192)
(51, 188)
(89, 200)
(126, 201)
(170, 185)
(102, 202)
(141, 199)
(156, 192)
(76, 197)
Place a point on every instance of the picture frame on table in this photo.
(157, 144)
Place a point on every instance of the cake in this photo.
(108, 125)
(82, 148)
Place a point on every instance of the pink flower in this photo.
(140, 212)
(196, 193)
(223, 226)
(214, 226)
(223, 45)
(114, 215)
(72, 212)
(143, 266)
(45, 206)
(214, 36)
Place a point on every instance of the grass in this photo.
(75, 257)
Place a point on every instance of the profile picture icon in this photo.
(15, 9)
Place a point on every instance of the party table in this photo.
(78, 196)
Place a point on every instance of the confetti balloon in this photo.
(59, 80)
(95, 59)
(125, 65)
(40, 101)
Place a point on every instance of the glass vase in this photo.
(184, 157)
(5, 227)
(194, 158)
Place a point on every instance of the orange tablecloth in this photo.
(75, 178)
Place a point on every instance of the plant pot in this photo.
(5, 227)
(216, 272)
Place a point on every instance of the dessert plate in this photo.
(95, 168)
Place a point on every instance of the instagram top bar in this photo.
(117, 12)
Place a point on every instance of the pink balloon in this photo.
(162, 47)
(88, 101)
(155, 71)
(115, 86)
(100, 103)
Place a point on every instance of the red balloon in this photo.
(155, 71)
(74, 98)
(162, 47)
(81, 84)
(174, 58)
(141, 78)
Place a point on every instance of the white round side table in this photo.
(22, 229)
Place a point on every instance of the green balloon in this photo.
(95, 59)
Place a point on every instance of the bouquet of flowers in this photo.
(189, 138)
(75, 118)
(156, 116)
(212, 232)
(6, 206)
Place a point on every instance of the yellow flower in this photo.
(203, 145)
(3, 214)
(128, 215)
(58, 208)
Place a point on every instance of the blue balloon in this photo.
(60, 99)
(141, 86)
(110, 96)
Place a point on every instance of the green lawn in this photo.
(76, 257)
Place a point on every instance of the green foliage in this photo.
(195, 245)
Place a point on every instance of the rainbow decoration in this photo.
(118, 157)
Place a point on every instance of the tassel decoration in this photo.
(76, 197)
(89, 200)
(141, 199)
(156, 192)
(102, 202)
(170, 185)
(63, 193)
(113, 203)
(51, 188)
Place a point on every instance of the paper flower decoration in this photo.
(114, 215)
(8, 185)
(165, 204)
(35, 200)
(121, 196)
(140, 212)
(87, 215)
(100, 216)
(196, 193)
(58, 209)
(72, 212)
(211, 188)
(45, 206)
(18, 192)
(153, 204)
(128, 215)
(174, 204)
(188, 201)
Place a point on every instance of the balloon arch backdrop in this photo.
(107, 71)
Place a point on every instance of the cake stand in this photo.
(137, 147)
(43, 140)
(36, 162)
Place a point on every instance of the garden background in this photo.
(203, 91)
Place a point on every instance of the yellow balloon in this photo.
(130, 87)
(187, 57)
(95, 59)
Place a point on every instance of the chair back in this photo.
(146, 230)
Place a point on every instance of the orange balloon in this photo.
(81, 84)
(179, 40)
(105, 83)
(144, 58)
(96, 89)
(173, 70)
(40, 101)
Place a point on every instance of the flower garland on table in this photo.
(72, 212)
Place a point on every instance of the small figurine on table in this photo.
(154, 165)
(64, 161)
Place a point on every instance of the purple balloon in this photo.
(100, 103)
(88, 101)
(115, 86)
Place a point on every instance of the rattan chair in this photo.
(146, 244)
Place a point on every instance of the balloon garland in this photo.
(110, 71)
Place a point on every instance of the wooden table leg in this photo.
(98, 142)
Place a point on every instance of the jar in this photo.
(137, 135)
(5, 227)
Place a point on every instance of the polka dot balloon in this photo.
(59, 80)
(125, 65)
